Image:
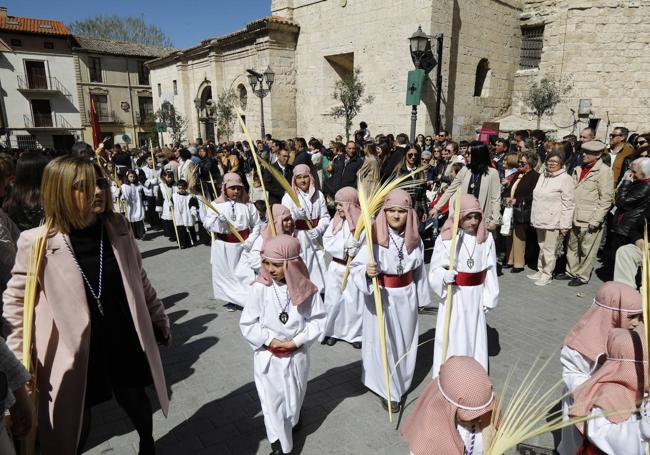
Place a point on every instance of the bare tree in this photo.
(349, 93)
(544, 95)
(130, 29)
(226, 113)
(175, 122)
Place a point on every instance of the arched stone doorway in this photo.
(206, 112)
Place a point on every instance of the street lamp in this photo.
(255, 78)
(197, 104)
(423, 59)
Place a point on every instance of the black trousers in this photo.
(186, 236)
(150, 214)
(168, 229)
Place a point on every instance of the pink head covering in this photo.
(468, 204)
(618, 385)
(349, 199)
(303, 169)
(462, 389)
(280, 213)
(286, 249)
(397, 198)
(613, 303)
(229, 180)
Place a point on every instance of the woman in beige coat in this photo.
(98, 321)
(551, 214)
(369, 171)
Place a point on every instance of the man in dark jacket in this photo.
(346, 167)
(275, 190)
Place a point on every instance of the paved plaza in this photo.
(209, 368)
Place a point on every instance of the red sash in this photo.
(230, 237)
(301, 225)
(395, 281)
(281, 352)
(470, 279)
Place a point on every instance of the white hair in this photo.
(643, 164)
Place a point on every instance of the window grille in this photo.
(532, 42)
(26, 142)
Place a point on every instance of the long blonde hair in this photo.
(59, 177)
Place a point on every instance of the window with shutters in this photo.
(532, 42)
(95, 69)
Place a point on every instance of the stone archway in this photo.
(206, 112)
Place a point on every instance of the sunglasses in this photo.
(614, 135)
(522, 163)
(101, 183)
(641, 142)
(411, 155)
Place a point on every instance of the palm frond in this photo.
(379, 309)
(452, 264)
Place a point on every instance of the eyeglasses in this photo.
(641, 142)
(552, 162)
(614, 135)
(411, 155)
(522, 163)
(427, 140)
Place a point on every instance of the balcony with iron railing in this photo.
(104, 116)
(145, 118)
(37, 83)
(51, 121)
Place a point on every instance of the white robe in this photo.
(468, 327)
(117, 198)
(167, 193)
(185, 213)
(225, 256)
(151, 182)
(313, 256)
(344, 308)
(401, 315)
(466, 435)
(576, 370)
(251, 261)
(281, 382)
(616, 439)
(134, 197)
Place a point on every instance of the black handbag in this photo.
(521, 212)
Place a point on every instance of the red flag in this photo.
(94, 124)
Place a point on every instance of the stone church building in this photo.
(492, 50)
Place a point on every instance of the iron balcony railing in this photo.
(46, 121)
(41, 83)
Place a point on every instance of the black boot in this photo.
(277, 448)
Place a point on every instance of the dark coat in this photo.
(345, 174)
(275, 190)
(303, 157)
(632, 202)
(390, 163)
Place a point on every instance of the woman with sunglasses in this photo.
(410, 163)
(519, 194)
(98, 321)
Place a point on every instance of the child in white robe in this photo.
(186, 208)
(235, 210)
(133, 198)
(474, 282)
(284, 316)
(453, 415)
(165, 205)
(399, 266)
(250, 263)
(616, 305)
(611, 399)
(344, 307)
(313, 207)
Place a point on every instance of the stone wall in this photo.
(600, 47)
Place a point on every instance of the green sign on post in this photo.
(414, 87)
(161, 127)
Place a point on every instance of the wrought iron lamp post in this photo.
(255, 78)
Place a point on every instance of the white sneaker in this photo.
(543, 281)
(535, 276)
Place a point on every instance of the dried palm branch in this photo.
(231, 228)
(529, 411)
(376, 198)
(379, 309)
(269, 211)
(34, 266)
(168, 191)
(452, 266)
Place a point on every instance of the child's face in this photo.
(632, 322)
(470, 223)
(169, 179)
(275, 269)
(131, 178)
(182, 189)
(452, 174)
(234, 192)
(302, 182)
(288, 225)
(396, 217)
(339, 210)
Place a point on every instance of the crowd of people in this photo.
(286, 252)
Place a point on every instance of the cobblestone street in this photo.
(215, 408)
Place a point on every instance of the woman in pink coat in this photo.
(98, 321)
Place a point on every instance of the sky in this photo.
(186, 22)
